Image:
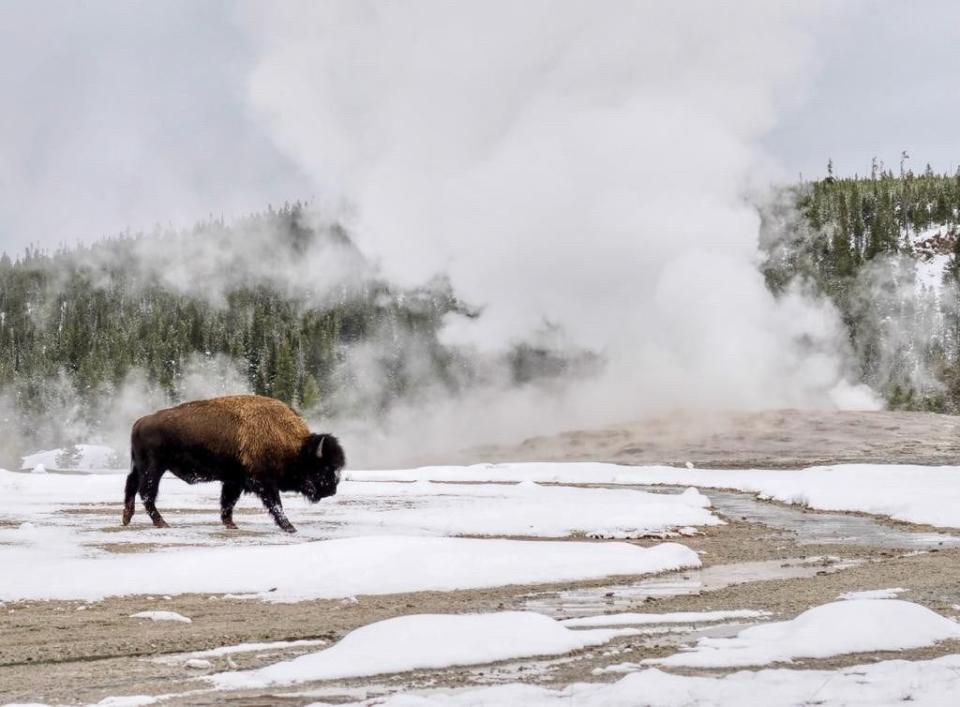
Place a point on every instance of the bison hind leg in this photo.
(149, 485)
(229, 495)
(130, 493)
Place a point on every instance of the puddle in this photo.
(591, 601)
(823, 528)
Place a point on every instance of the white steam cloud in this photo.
(568, 162)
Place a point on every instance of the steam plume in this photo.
(568, 162)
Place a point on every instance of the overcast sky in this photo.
(888, 82)
(121, 115)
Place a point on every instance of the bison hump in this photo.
(270, 431)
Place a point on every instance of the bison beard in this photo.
(250, 443)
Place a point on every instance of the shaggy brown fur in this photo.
(261, 432)
(249, 442)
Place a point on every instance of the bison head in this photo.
(321, 463)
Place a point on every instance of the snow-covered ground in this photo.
(423, 508)
(915, 494)
(323, 569)
(526, 508)
(382, 537)
(379, 520)
(412, 530)
(512, 499)
(438, 641)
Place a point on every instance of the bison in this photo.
(250, 443)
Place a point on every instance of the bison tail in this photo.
(130, 492)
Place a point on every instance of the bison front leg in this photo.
(229, 495)
(271, 500)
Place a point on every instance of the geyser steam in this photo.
(579, 163)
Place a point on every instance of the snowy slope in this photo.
(932, 247)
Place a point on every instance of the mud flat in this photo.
(774, 439)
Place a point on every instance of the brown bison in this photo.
(250, 443)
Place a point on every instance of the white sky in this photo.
(123, 115)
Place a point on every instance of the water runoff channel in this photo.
(806, 528)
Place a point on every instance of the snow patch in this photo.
(161, 616)
(520, 509)
(330, 569)
(874, 594)
(425, 641)
(131, 701)
(868, 625)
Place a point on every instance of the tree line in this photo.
(883, 248)
(76, 322)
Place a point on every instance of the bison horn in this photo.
(320, 446)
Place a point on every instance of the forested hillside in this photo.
(93, 313)
(279, 303)
(883, 248)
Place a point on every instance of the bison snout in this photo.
(316, 492)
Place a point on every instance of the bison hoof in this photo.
(289, 529)
(160, 524)
(230, 525)
(127, 515)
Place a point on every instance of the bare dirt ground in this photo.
(73, 652)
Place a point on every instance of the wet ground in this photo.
(820, 527)
(766, 557)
